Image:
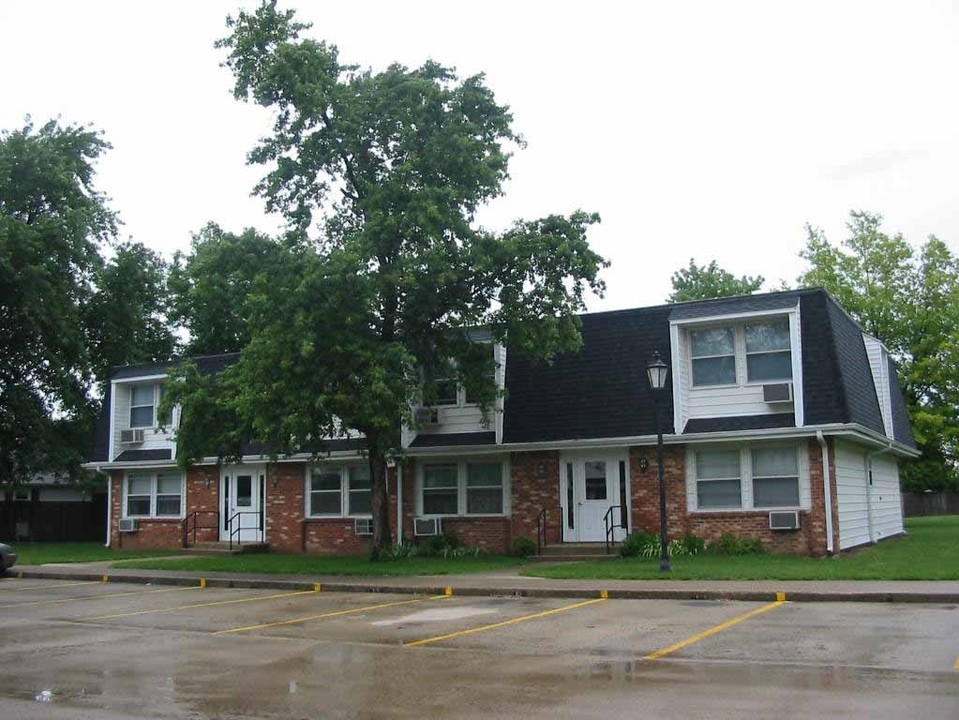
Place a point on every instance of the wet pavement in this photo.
(75, 648)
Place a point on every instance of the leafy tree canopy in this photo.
(702, 282)
(384, 271)
(210, 287)
(127, 316)
(909, 300)
(52, 222)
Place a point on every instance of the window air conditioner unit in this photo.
(426, 526)
(363, 526)
(778, 393)
(785, 520)
(425, 416)
(129, 525)
(131, 437)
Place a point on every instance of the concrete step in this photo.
(223, 548)
(570, 552)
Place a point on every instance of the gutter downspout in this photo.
(109, 506)
(826, 489)
(399, 502)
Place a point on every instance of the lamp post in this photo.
(657, 370)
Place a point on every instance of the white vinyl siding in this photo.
(852, 495)
(879, 364)
(124, 412)
(886, 499)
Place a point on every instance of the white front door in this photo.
(243, 491)
(592, 485)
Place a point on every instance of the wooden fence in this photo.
(916, 504)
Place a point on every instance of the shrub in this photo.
(693, 544)
(635, 545)
(523, 547)
(732, 545)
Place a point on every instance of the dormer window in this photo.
(144, 399)
(751, 352)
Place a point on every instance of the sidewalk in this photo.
(511, 583)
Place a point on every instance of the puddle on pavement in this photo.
(438, 614)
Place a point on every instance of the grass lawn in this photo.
(66, 552)
(929, 552)
(320, 565)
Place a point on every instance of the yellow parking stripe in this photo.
(514, 621)
(956, 666)
(80, 598)
(713, 630)
(50, 587)
(334, 613)
(198, 605)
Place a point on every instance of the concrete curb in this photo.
(465, 588)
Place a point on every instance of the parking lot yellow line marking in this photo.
(493, 626)
(713, 630)
(333, 613)
(198, 605)
(50, 587)
(780, 596)
(956, 665)
(77, 598)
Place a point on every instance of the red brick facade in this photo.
(534, 486)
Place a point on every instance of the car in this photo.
(8, 558)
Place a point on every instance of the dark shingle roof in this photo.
(454, 439)
(901, 427)
(739, 422)
(144, 455)
(599, 391)
(206, 365)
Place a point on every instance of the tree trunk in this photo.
(382, 537)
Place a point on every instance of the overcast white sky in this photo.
(711, 130)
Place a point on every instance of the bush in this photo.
(636, 543)
(732, 545)
(693, 544)
(644, 544)
(523, 547)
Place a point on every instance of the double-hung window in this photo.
(760, 476)
(775, 473)
(463, 488)
(767, 351)
(718, 483)
(714, 356)
(333, 488)
(154, 494)
(141, 405)
(145, 398)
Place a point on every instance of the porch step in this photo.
(223, 548)
(568, 552)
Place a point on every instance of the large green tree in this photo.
(384, 272)
(52, 222)
(211, 286)
(910, 301)
(127, 316)
(702, 282)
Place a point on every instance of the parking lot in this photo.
(116, 650)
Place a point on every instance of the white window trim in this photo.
(153, 494)
(461, 488)
(460, 390)
(746, 477)
(344, 470)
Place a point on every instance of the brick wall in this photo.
(285, 506)
(535, 485)
(204, 501)
(810, 539)
(491, 534)
(153, 534)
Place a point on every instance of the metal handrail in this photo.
(236, 516)
(611, 524)
(542, 526)
(194, 517)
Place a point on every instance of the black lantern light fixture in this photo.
(657, 370)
